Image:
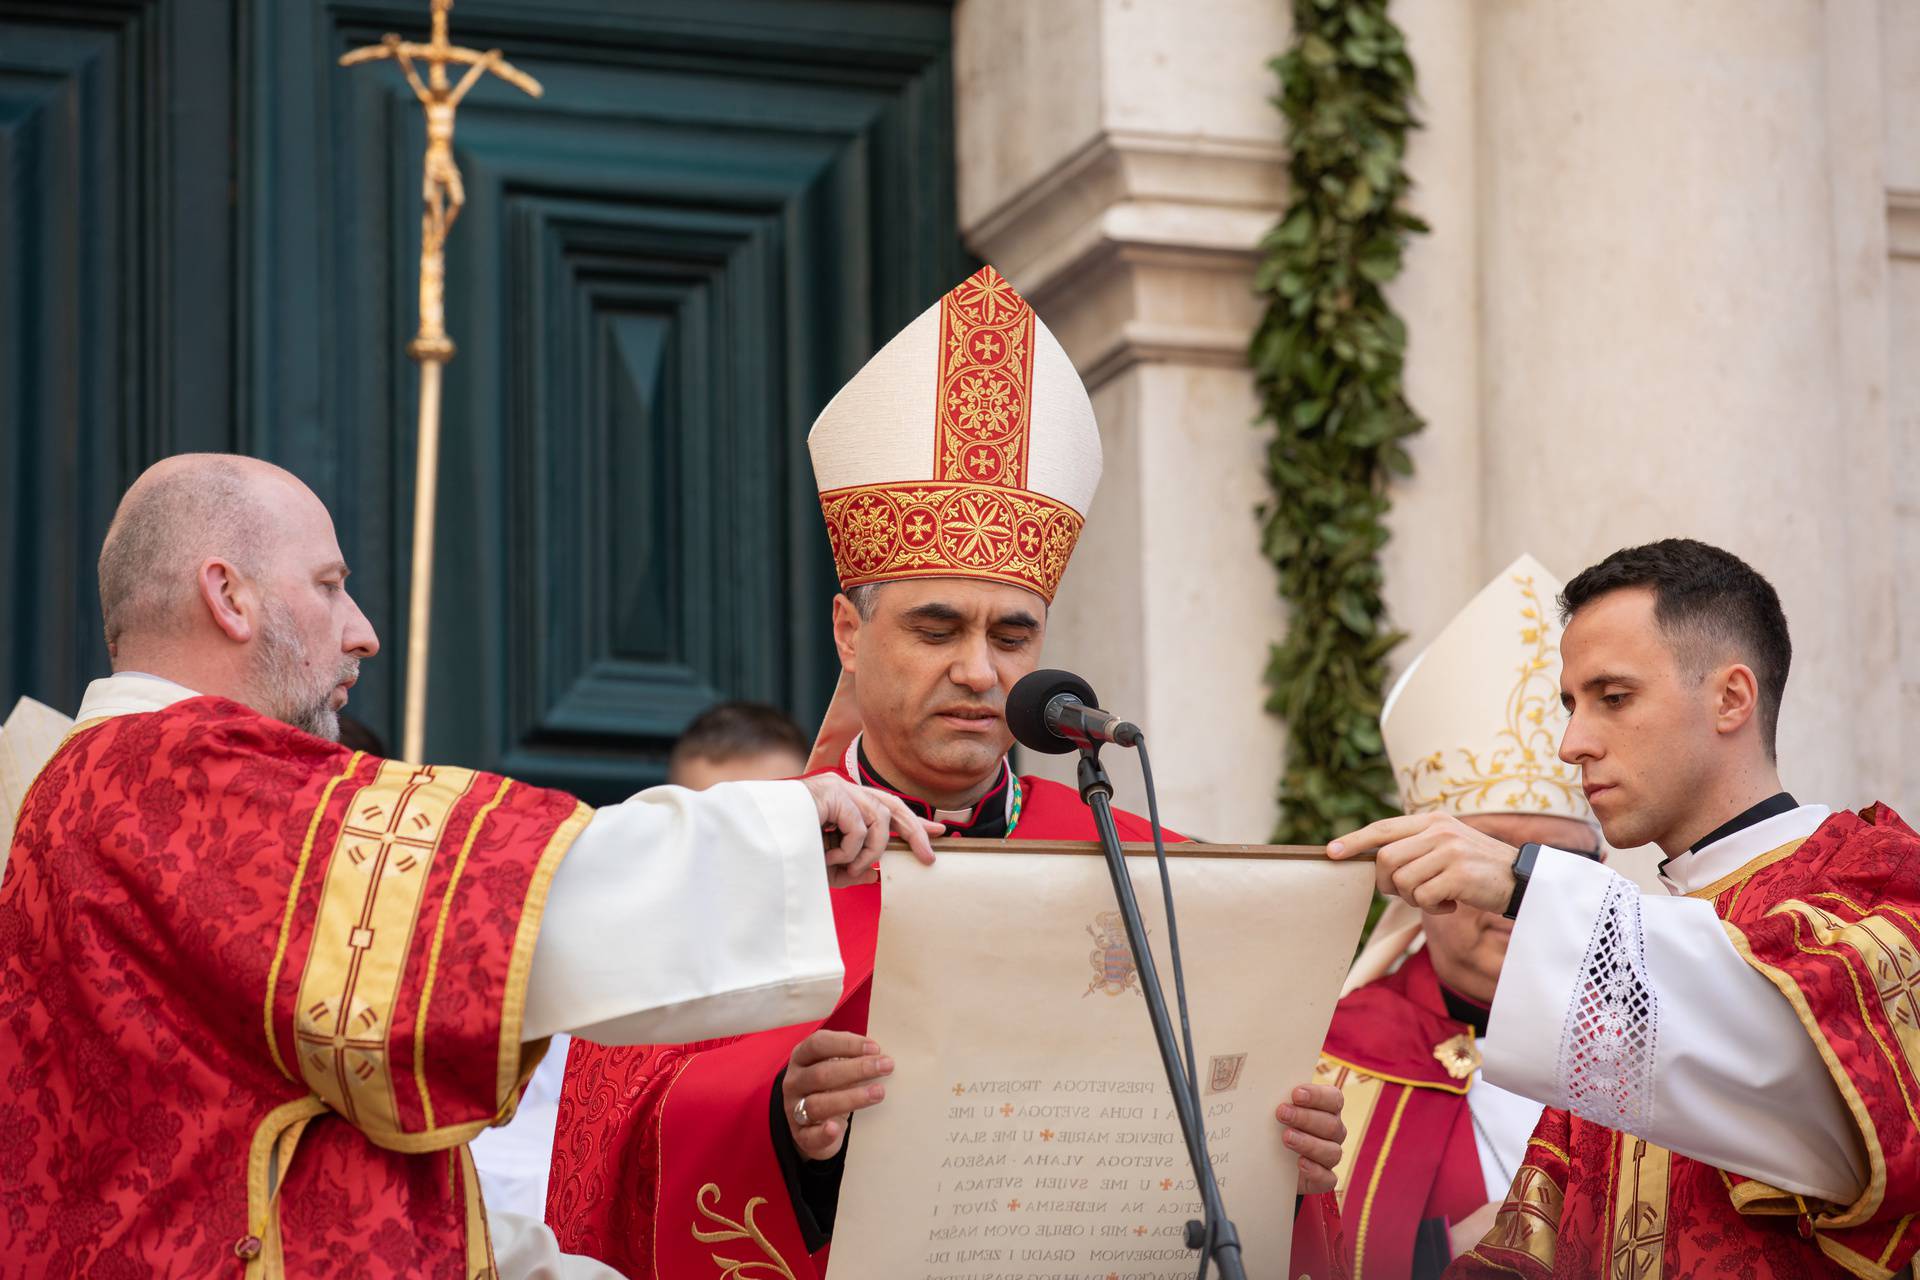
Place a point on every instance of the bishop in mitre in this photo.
(955, 472)
(1471, 728)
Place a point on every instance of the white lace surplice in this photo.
(1635, 1012)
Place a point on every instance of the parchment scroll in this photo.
(1028, 1132)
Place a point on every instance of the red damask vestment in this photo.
(257, 992)
(663, 1162)
(1834, 923)
(1403, 1067)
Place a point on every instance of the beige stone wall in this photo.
(1673, 287)
(1121, 181)
(1677, 251)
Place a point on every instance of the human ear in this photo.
(1736, 699)
(227, 598)
(846, 631)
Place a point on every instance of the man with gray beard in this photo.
(258, 991)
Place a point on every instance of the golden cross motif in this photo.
(1641, 1236)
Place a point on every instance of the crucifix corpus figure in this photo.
(443, 193)
(440, 186)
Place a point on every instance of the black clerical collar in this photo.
(1772, 807)
(989, 819)
(1462, 1009)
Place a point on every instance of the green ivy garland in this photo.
(1328, 358)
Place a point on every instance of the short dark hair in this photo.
(731, 730)
(1708, 602)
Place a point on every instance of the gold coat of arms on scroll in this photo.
(1223, 1072)
(1112, 958)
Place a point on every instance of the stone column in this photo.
(1118, 163)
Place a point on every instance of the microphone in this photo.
(1056, 712)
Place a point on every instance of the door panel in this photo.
(665, 267)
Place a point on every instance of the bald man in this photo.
(258, 991)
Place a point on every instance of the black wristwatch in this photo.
(1522, 872)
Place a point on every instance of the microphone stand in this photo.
(1096, 792)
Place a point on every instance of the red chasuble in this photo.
(1834, 922)
(256, 993)
(1402, 1065)
(663, 1160)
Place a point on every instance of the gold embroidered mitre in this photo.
(965, 448)
(1474, 724)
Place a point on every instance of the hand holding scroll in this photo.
(1433, 861)
(830, 1075)
(865, 819)
(1315, 1131)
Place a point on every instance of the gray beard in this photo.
(287, 691)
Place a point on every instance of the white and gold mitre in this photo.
(965, 448)
(1474, 724)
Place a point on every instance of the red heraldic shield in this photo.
(1834, 922)
(257, 992)
(663, 1163)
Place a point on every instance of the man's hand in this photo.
(865, 818)
(1433, 861)
(836, 1073)
(1314, 1130)
(1473, 1228)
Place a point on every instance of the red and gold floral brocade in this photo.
(257, 992)
(1402, 1065)
(975, 517)
(1832, 922)
(663, 1161)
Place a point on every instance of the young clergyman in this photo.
(955, 471)
(1729, 1069)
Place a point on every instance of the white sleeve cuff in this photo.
(681, 915)
(526, 1249)
(1541, 973)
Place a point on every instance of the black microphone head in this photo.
(1027, 708)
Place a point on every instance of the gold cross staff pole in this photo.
(431, 347)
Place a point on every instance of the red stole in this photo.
(1831, 921)
(227, 947)
(663, 1163)
(1410, 1153)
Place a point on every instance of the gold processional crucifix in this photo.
(431, 348)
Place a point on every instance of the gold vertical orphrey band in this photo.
(443, 195)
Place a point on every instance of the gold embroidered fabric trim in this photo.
(934, 529)
(1525, 767)
(1529, 1221)
(293, 898)
(363, 932)
(1637, 1246)
(274, 1141)
(768, 1264)
(1748, 871)
(434, 948)
(1393, 1079)
(517, 1060)
(1373, 1183)
(1808, 916)
(1360, 1095)
(983, 403)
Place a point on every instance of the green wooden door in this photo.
(665, 267)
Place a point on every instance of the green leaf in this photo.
(1328, 363)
